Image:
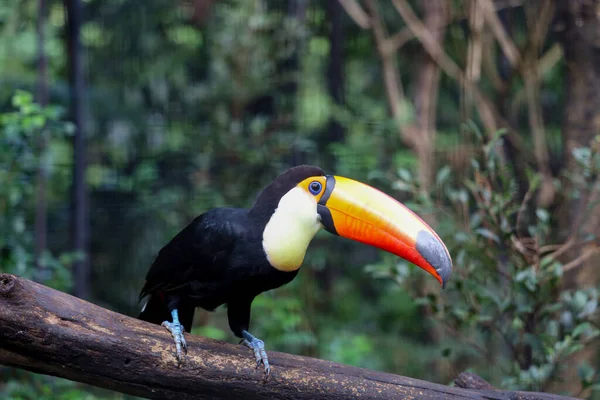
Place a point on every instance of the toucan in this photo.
(228, 256)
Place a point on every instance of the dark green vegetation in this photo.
(190, 107)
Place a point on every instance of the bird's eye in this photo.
(315, 187)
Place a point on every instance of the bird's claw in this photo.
(258, 346)
(177, 330)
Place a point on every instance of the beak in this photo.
(360, 212)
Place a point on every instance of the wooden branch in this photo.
(475, 47)
(391, 77)
(50, 332)
(508, 47)
(469, 380)
(356, 12)
(488, 115)
(488, 112)
(393, 43)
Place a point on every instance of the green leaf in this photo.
(402, 186)
(488, 234)
(582, 155)
(581, 328)
(443, 175)
(404, 174)
(586, 373)
(595, 387)
(529, 278)
(542, 214)
(22, 99)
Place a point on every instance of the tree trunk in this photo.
(41, 207)
(79, 208)
(578, 24)
(335, 75)
(46, 331)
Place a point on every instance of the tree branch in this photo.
(356, 12)
(50, 332)
(506, 44)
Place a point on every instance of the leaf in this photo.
(405, 113)
(488, 234)
(586, 373)
(443, 175)
(462, 196)
(476, 220)
(471, 126)
(460, 313)
(585, 327)
(22, 98)
(517, 324)
(529, 278)
(404, 174)
(402, 186)
(595, 387)
(542, 214)
(582, 155)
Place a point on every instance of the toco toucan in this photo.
(231, 255)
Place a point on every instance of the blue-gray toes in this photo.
(177, 330)
(258, 346)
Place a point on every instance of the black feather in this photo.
(219, 259)
(268, 199)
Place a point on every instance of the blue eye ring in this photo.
(315, 187)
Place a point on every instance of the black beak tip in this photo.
(434, 252)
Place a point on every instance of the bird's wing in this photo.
(198, 252)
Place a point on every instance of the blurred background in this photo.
(122, 120)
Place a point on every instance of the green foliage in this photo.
(22, 133)
(177, 124)
(21, 157)
(282, 317)
(29, 386)
(506, 298)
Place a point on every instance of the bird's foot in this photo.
(177, 330)
(258, 346)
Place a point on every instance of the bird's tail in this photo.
(156, 311)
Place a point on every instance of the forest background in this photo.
(122, 120)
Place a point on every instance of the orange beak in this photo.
(359, 212)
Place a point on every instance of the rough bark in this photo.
(469, 380)
(50, 332)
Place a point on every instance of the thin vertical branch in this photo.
(539, 16)
(355, 11)
(484, 106)
(474, 51)
(391, 77)
(508, 47)
(436, 13)
(474, 57)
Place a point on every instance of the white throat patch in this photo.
(291, 228)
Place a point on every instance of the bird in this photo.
(228, 256)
